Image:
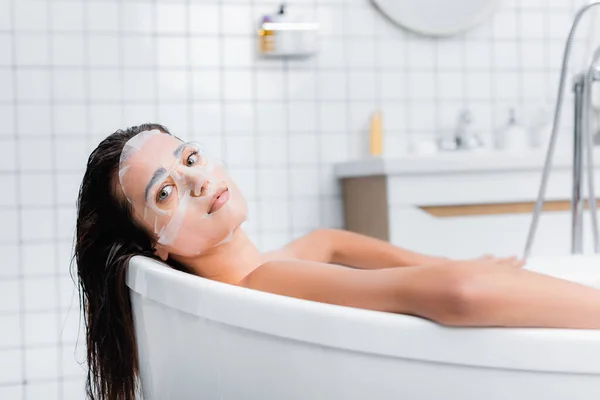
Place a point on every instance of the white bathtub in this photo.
(200, 339)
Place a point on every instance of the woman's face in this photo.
(179, 194)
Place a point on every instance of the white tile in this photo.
(68, 50)
(450, 54)
(359, 114)
(391, 53)
(30, 15)
(42, 390)
(68, 85)
(450, 85)
(41, 363)
(479, 85)
(70, 119)
(505, 25)
(204, 18)
(239, 151)
(103, 50)
(274, 214)
(172, 18)
(238, 85)
(238, 51)
(237, 19)
(506, 55)
(136, 114)
(207, 84)
(67, 217)
(421, 54)
(330, 53)
(479, 54)
(421, 117)
(69, 297)
(105, 119)
(138, 51)
(393, 116)
(532, 25)
(273, 241)
(39, 125)
(172, 52)
(421, 86)
(5, 50)
(10, 334)
(214, 146)
(334, 147)
(303, 117)
(41, 329)
(333, 117)
(304, 148)
(7, 155)
(38, 259)
(533, 54)
(65, 255)
(330, 19)
(40, 294)
(9, 183)
(32, 49)
(37, 224)
(72, 365)
(361, 85)
(66, 16)
(7, 84)
(7, 116)
(271, 117)
(71, 154)
(205, 51)
(238, 118)
(139, 16)
(304, 181)
(10, 368)
(559, 24)
(103, 16)
(9, 220)
(331, 213)
(6, 20)
(206, 118)
(360, 53)
(534, 85)
(9, 296)
(272, 150)
(14, 390)
(10, 254)
(506, 85)
(105, 85)
(72, 389)
(270, 84)
(392, 85)
(272, 184)
(302, 85)
(306, 213)
(360, 21)
(175, 118)
(36, 189)
(138, 85)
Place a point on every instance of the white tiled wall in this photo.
(73, 71)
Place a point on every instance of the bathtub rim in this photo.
(548, 350)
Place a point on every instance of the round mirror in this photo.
(436, 17)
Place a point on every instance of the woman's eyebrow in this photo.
(157, 175)
(178, 150)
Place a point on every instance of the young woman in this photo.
(147, 192)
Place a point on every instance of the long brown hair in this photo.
(106, 238)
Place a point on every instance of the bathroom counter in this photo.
(461, 204)
(456, 162)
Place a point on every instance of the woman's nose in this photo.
(198, 181)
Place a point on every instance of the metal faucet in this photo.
(462, 138)
(582, 147)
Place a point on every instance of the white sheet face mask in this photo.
(178, 193)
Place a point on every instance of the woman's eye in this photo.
(164, 193)
(192, 159)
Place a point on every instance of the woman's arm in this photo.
(468, 294)
(355, 250)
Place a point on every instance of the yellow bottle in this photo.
(375, 135)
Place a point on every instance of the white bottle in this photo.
(512, 136)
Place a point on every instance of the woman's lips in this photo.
(219, 199)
